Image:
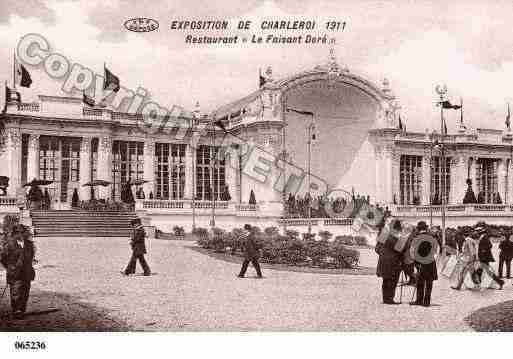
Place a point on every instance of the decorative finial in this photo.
(386, 85)
(269, 73)
(197, 110)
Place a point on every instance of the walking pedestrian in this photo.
(485, 256)
(137, 242)
(505, 255)
(251, 252)
(17, 257)
(466, 259)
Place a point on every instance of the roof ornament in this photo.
(269, 74)
(333, 69)
(386, 86)
(197, 110)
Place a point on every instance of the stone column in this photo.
(105, 165)
(473, 176)
(509, 182)
(190, 162)
(387, 176)
(458, 180)
(33, 158)
(396, 161)
(426, 179)
(379, 175)
(85, 168)
(149, 168)
(13, 147)
(501, 179)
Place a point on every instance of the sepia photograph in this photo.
(275, 167)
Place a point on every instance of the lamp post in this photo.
(310, 127)
(442, 91)
(213, 159)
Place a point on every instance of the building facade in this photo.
(201, 168)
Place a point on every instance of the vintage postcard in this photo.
(234, 166)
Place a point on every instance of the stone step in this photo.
(82, 223)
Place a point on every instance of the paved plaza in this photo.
(80, 278)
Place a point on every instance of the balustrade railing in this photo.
(247, 207)
(32, 107)
(92, 112)
(8, 202)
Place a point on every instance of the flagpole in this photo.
(14, 70)
(441, 92)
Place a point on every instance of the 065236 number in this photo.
(29, 345)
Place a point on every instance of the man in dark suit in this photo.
(505, 255)
(251, 252)
(389, 263)
(138, 249)
(425, 246)
(17, 257)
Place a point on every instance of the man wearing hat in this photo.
(17, 257)
(251, 252)
(138, 245)
(423, 248)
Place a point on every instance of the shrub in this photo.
(284, 249)
(361, 241)
(292, 234)
(272, 231)
(346, 240)
(178, 231)
(325, 235)
(308, 236)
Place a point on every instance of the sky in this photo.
(416, 45)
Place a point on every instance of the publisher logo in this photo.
(141, 24)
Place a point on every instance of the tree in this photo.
(252, 199)
(74, 199)
(470, 197)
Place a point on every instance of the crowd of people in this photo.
(468, 251)
(298, 206)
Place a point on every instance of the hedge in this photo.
(283, 249)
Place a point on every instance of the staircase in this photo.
(81, 223)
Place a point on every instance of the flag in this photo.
(220, 124)
(24, 76)
(12, 95)
(508, 123)
(447, 105)
(262, 79)
(110, 81)
(87, 100)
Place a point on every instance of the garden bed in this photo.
(286, 251)
(227, 257)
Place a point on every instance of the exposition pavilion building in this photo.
(345, 125)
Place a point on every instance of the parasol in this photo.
(97, 183)
(137, 182)
(37, 182)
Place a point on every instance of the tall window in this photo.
(24, 157)
(70, 152)
(127, 163)
(486, 181)
(94, 166)
(208, 179)
(48, 158)
(169, 171)
(410, 179)
(440, 180)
